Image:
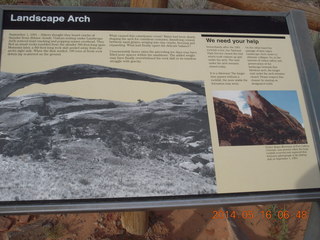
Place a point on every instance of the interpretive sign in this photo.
(115, 104)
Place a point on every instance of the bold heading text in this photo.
(49, 19)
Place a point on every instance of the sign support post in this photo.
(135, 222)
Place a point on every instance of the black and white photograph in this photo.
(57, 146)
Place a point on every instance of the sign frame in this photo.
(310, 79)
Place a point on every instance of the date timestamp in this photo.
(280, 214)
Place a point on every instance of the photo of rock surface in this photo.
(258, 118)
(56, 146)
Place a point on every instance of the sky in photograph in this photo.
(237, 96)
(106, 88)
(287, 100)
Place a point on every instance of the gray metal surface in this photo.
(145, 10)
(186, 202)
(313, 229)
(308, 70)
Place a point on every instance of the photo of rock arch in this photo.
(55, 146)
(256, 118)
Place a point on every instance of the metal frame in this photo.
(67, 206)
(310, 79)
(313, 230)
(308, 70)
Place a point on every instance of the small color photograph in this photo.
(258, 118)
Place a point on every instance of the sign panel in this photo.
(109, 105)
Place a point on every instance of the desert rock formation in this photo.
(84, 148)
(268, 124)
(11, 82)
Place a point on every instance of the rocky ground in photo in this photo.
(60, 147)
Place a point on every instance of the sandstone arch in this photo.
(11, 82)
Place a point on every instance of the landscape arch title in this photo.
(49, 19)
